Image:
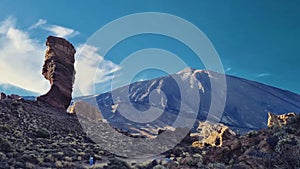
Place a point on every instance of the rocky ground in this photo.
(35, 135)
(275, 147)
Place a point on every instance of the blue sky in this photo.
(257, 40)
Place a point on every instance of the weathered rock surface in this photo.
(275, 147)
(211, 134)
(59, 69)
(84, 109)
(279, 120)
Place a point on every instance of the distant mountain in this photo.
(246, 107)
(11, 89)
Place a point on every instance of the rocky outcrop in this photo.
(2, 95)
(211, 134)
(59, 69)
(86, 110)
(275, 147)
(12, 96)
(279, 120)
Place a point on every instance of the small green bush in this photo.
(5, 146)
(4, 128)
(42, 133)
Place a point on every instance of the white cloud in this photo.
(228, 69)
(56, 30)
(263, 75)
(91, 69)
(38, 24)
(61, 31)
(21, 58)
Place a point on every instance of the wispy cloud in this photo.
(38, 24)
(61, 31)
(56, 30)
(91, 69)
(22, 57)
(228, 69)
(263, 74)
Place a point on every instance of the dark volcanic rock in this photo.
(2, 95)
(59, 69)
(37, 135)
(14, 96)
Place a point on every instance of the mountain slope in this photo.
(10, 89)
(246, 107)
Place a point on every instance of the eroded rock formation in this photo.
(275, 147)
(211, 134)
(59, 69)
(279, 120)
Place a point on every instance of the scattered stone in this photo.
(67, 158)
(58, 164)
(159, 167)
(29, 165)
(49, 158)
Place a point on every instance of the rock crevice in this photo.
(59, 69)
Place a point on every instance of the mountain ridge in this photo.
(227, 75)
(243, 96)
